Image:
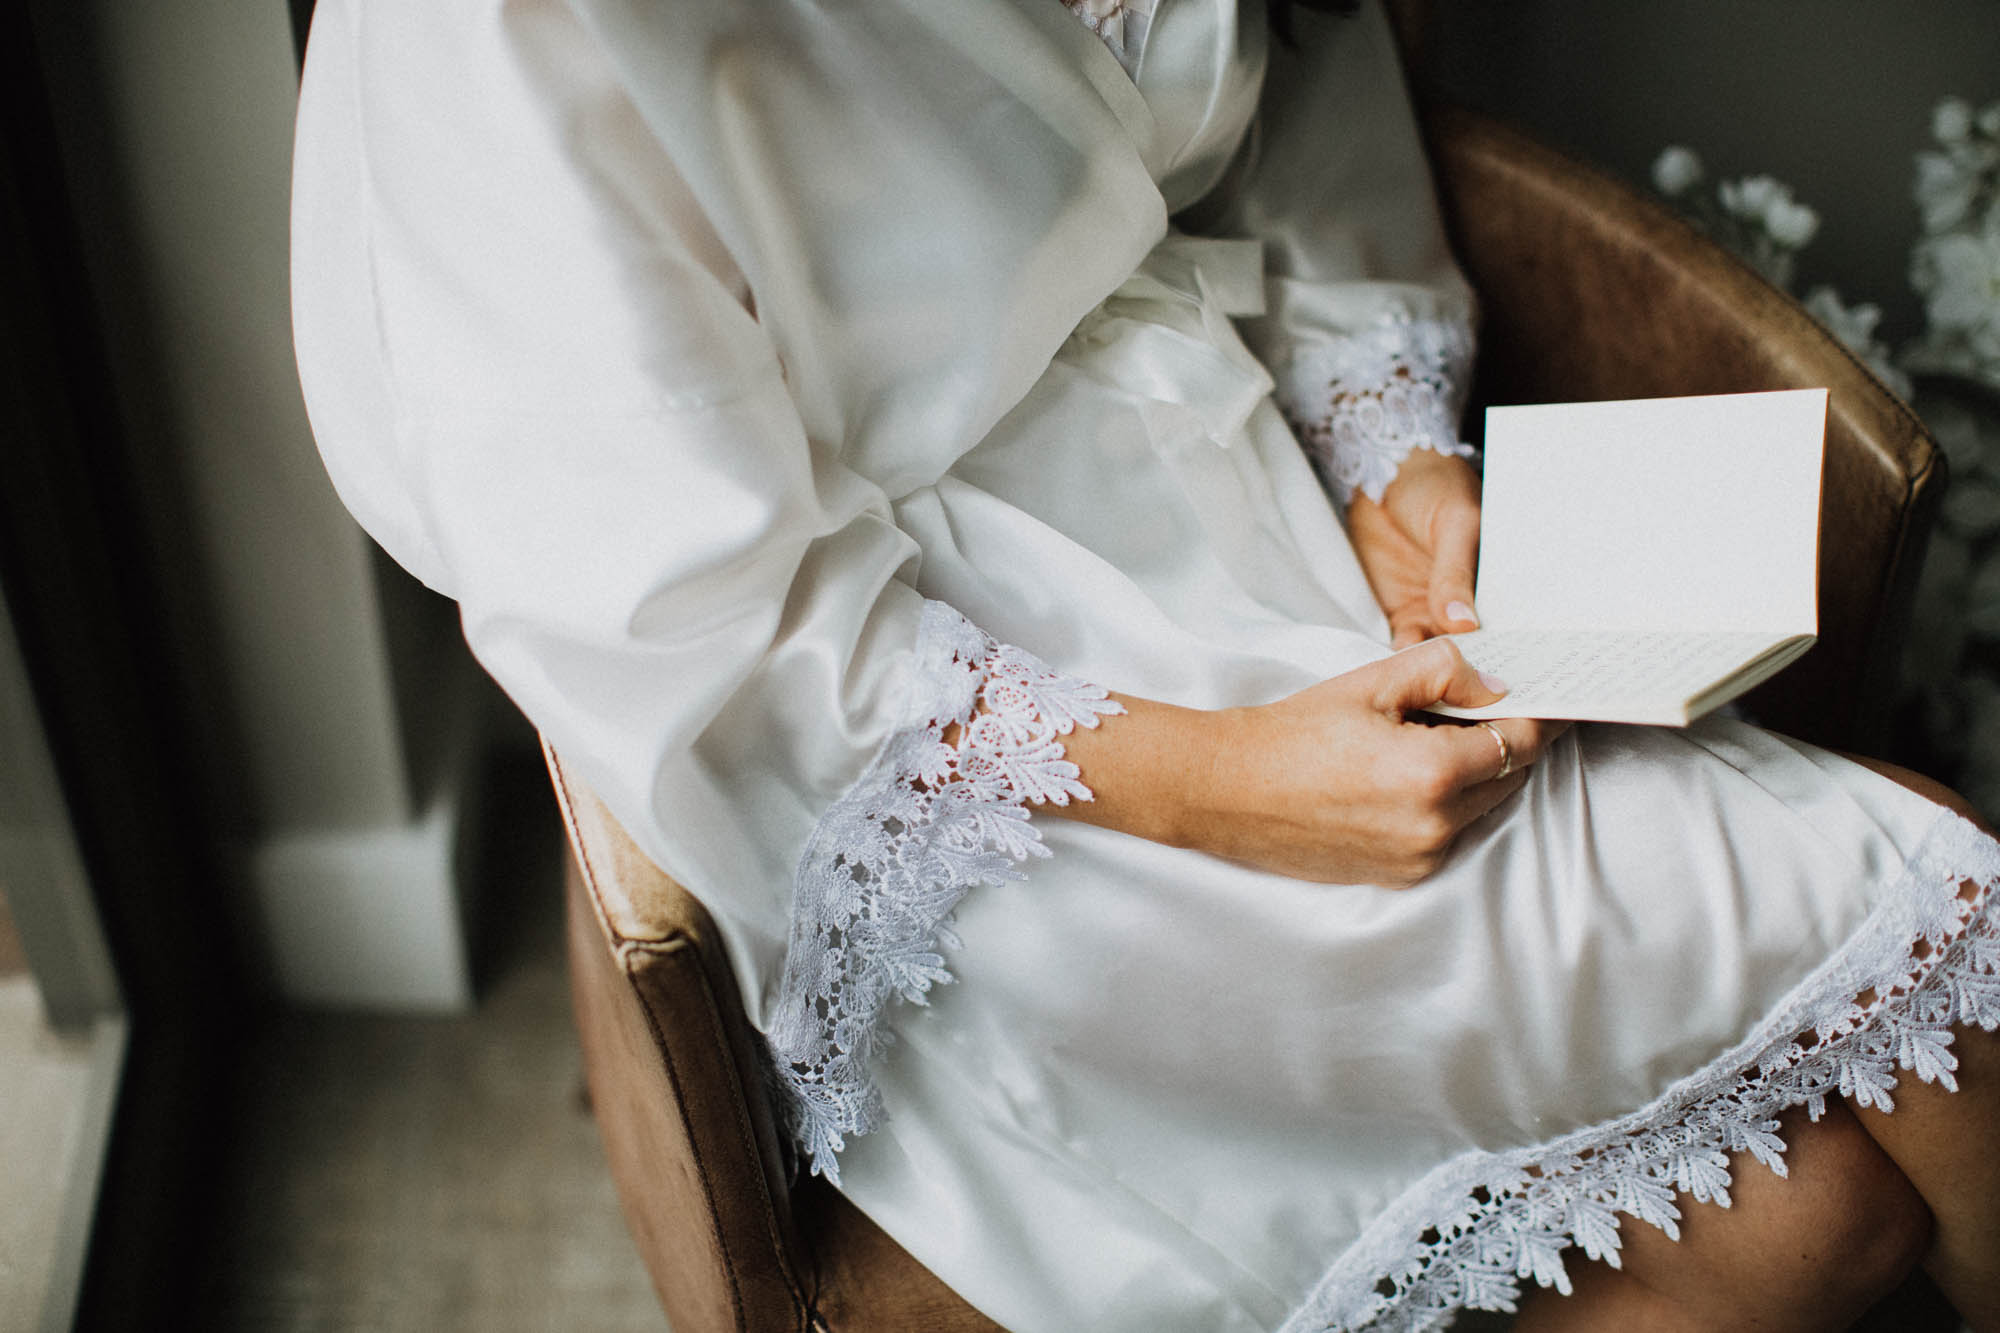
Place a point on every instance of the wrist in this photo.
(1152, 773)
(1204, 780)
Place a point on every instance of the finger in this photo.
(1428, 673)
(1547, 733)
(1480, 797)
(1475, 756)
(1486, 751)
(1528, 739)
(1455, 558)
(1409, 625)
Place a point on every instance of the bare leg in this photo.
(1869, 1192)
(1948, 1144)
(1808, 1252)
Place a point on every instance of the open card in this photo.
(1647, 560)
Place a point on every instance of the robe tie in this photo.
(1164, 337)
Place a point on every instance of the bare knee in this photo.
(1851, 1233)
(1810, 1251)
(1877, 1230)
(1929, 788)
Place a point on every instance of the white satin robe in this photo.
(731, 362)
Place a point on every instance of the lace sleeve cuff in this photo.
(1360, 403)
(931, 818)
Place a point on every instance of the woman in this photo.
(837, 454)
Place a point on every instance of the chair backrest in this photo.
(1591, 290)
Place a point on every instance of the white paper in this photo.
(1635, 554)
(1609, 675)
(1697, 513)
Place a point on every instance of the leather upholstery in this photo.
(688, 1129)
(673, 1082)
(1590, 291)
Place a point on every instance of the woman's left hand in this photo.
(1419, 546)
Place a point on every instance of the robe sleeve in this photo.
(535, 376)
(1368, 323)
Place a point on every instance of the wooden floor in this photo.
(434, 1174)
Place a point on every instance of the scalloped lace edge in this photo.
(1360, 403)
(889, 861)
(1121, 24)
(1930, 955)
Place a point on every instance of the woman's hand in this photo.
(1419, 546)
(1334, 783)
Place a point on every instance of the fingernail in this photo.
(1493, 683)
(1460, 611)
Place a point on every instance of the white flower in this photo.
(1768, 203)
(1790, 223)
(1855, 327)
(1675, 169)
(1852, 324)
(1959, 277)
(1749, 197)
(1989, 120)
(1944, 191)
(1951, 120)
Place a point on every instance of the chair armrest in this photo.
(675, 1080)
(677, 1083)
(1591, 290)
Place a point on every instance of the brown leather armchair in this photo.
(1589, 291)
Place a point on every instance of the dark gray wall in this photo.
(1831, 96)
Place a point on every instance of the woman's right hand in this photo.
(1335, 783)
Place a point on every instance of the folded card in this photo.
(1646, 560)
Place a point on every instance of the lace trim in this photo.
(1361, 403)
(1472, 1231)
(1121, 23)
(889, 861)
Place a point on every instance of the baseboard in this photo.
(366, 918)
(375, 918)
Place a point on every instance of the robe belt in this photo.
(1164, 334)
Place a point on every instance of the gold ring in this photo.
(1506, 751)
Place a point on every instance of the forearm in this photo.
(1338, 783)
(1148, 771)
(1229, 782)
